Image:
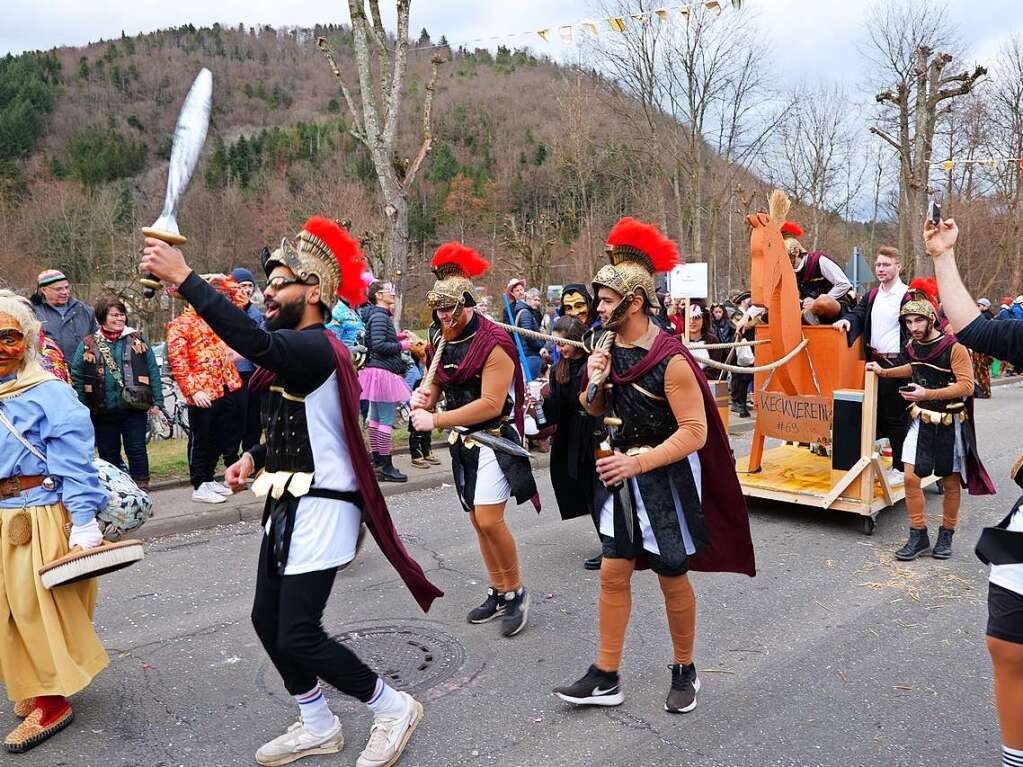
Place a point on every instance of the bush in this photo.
(96, 155)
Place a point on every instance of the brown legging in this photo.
(497, 547)
(616, 604)
(1007, 659)
(949, 502)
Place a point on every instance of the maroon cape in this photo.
(730, 547)
(977, 480)
(487, 336)
(374, 509)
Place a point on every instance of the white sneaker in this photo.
(220, 488)
(895, 477)
(298, 742)
(388, 737)
(205, 494)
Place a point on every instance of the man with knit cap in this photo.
(668, 498)
(318, 481)
(824, 289)
(65, 319)
(480, 380)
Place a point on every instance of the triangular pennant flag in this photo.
(712, 5)
(642, 18)
(685, 11)
(737, 4)
(590, 27)
(662, 14)
(566, 34)
(947, 165)
(545, 35)
(617, 23)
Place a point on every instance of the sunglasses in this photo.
(279, 283)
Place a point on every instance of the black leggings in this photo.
(286, 613)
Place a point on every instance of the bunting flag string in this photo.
(566, 32)
(992, 162)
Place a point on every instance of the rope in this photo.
(758, 368)
(427, 381)
(580, 345)
(604, 345)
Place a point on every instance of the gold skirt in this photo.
(48, 645)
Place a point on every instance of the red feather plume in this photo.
(928, 286)
(791, 227)
(454, 252)
(350, 258)
(646, 238)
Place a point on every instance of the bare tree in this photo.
(905, 37)
(816, 159)
(376, 123)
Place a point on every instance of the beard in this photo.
(288, 316)
(454, 330)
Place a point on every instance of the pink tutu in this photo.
(379, 385)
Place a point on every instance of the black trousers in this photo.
(128, 426)
(213, 432)
(892, 420)
(287, 614)
(419, 443)
(250, 403)
(740, 387)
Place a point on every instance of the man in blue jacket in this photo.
(65, 319)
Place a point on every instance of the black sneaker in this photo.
(596, 688)
(493, 607)
(943, 546)
(743, 412)
(916, 544)
(516, 612)
(684, 686)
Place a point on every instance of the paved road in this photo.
(833, 655)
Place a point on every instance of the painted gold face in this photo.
(574, 305)
(12, 345)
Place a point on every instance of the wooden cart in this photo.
(843, 412)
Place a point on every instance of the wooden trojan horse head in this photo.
(773, 286)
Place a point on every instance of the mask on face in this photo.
(12, 345)
(574, 305)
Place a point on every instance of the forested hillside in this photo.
(531, 163)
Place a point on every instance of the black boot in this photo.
(387, 471)
(376, 463)
(917, 544)
(943, 546)
(593, 563)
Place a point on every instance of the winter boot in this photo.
(943, 546)
(916, 544)
(387, 471)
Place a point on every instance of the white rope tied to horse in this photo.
(581, 345)
(757, 368)
(427, 381)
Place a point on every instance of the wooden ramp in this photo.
(793, 474)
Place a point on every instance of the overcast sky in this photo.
(816, 38)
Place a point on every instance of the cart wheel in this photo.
(868, 525)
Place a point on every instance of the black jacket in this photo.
(573, 466)
(859, 323)
(382, 346)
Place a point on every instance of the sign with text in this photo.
(688, 281)
(794, 418)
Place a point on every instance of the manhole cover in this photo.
(411, 658)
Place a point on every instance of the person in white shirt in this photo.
(824, 290)
(876, 318)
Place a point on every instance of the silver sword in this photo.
(189, 137)
(493, 441)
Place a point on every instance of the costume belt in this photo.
(12, 487)
(638, 450)
(934, 417)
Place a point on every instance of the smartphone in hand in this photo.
(907, 387)
(934, 212)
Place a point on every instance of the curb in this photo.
(251, 509)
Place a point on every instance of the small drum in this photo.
(81, 564)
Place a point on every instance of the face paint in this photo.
(12, 345)
(574, 305)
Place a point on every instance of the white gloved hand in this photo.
(87, 536)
